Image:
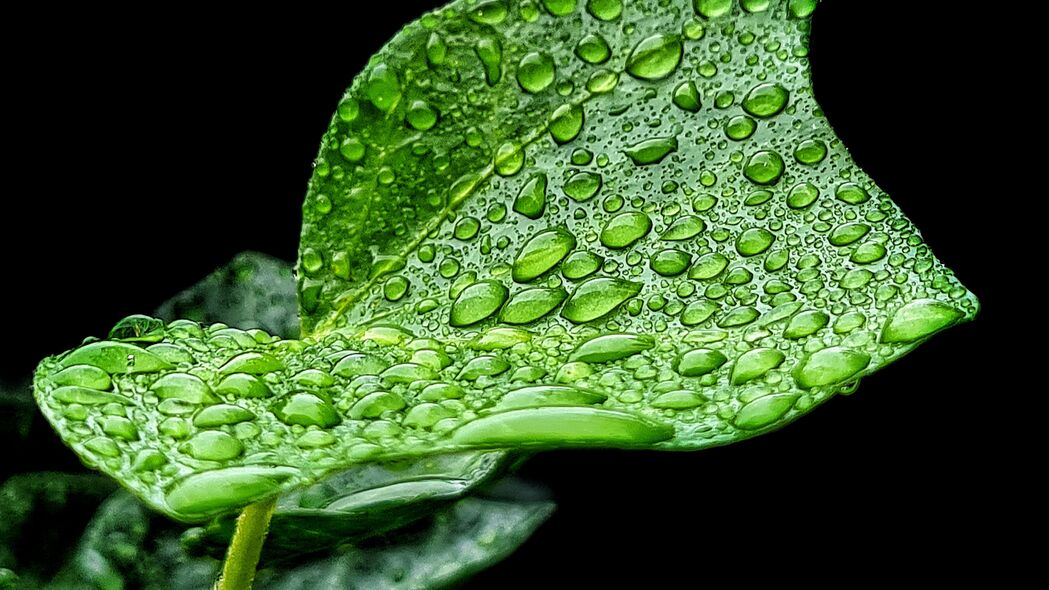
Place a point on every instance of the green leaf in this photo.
(714, 238)
(361, 502)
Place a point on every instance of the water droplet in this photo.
(847, 233)
(697, 312)
(739, 316)
(868, 252)
(138, 328)
(755, 5)
(830, 366)
(254, 363)
(509, 159)
(348, 109)
(764, 411)
(535, 72)
(605, 10)
(306, 409)
(383, 88)
(919, 319)
(611, 347)
(490, 52)
(441, 391)
(408, 373)
(740, 127)
(559, 7)
(712, 8)
(602, 81)
(810, 151)
(805, 324)
(203, 495)
(566, 122)
(802, 8)
(221, 415)
(436, 49)
(84, 376)
(115, 358)
(377, 403)
(531, 201)
(491, 12)
(352, 149)
(314, 378)
(243, 385)
(102, 446)
(802, 195)
(541, 253)
(593, 49)
(148, 460)
(483, 366)
(185, 387)
(531, 304)
(670, 262)
(316, 439)
(580, 264)
(766, 100)
(651, 151)
(119, 427)
(852, 193)
(477, 302)
(212, 445)
(754, 241)
(655, 57)
(764, 167)
(686, 97)
(754, 364)
(582, 186)
(708, 266)
(562, 426)
(700, 361)
(684, 228)
(421, 115)
(426, 415)
(848, 322)
(597, 298)
(625, 229)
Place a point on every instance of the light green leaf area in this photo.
(124, 546)
(515, 238)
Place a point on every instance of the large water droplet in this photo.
(383, 88)
(490, 12)
(477, 302)
(697, 312)
(700, 361)
(593, 49)
(509, 159)
(686, 97)
(597, 298)
(562, 426)
(490, 52)
(84, 376)
(624, 229)
(684, 228)
(805, 324)
(611, 347)
(559, 7)
(212, 445)
(541, 253)
(531, 304)
(185, 387)
(421, 115)
(203, 495)
(483, 366)
(221, 415)
(605, 10)
(830, 366)
(919, 319)
(754, 241)
(766, 100)
(852, 193)
(764, 167)
(306, 409)
(651, 151)
(755, 363)
(537, 396)
(356, 364)
(535, 72)
(708, 266)
(566, 122)
(810, 152)
(712, 8)
(655, 57)
(138, 328)
(253, 363)
(377, 403)
(531, 201)
(670, 262)
(582, 186)
(764, 411)
(116, 358)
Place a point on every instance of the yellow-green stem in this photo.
(238, 571)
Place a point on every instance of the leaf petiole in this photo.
(238, 570)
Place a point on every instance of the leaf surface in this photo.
(599, 224)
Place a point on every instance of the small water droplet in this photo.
(306, 409)
(559, 7)
(740, 127)
(670, 262)
(712, 8)
(491, 12)
(531, 201)
(421, 115)
(754, 241)
(810, 151)
(700, 361)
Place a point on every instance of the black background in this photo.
(147, 155)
